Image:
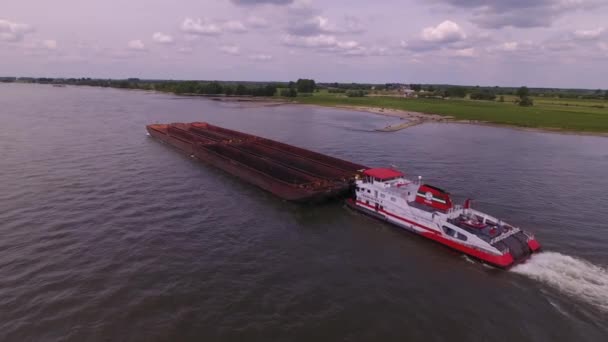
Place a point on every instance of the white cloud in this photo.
(329, 43)
(469, 52)
(446, 32)
(200, 27)
(260, 57)
(513, 46)
(185, 50)
(589, 34)
(12, 31)
(136, 45)
(50, 44)
(257, 22)
(230, 49)
(234, 26)
(509, 46)
(319, 41)
(162, 38)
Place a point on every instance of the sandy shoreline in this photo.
(420, 118)
(413, 118)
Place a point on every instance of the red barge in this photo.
(289, 172)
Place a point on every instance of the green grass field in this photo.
(549, 113)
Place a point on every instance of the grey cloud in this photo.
(497, 14)
(260, 2)
(322, 25)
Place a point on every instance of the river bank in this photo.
(417, 118)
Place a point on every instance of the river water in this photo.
(108, 235)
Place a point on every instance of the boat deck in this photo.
(270, 164)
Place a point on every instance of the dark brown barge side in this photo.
(290, 172)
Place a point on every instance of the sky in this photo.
(542, 43)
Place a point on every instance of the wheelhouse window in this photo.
(449, 231)
(461, 236)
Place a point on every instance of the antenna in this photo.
(419, 180)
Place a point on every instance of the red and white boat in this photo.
(427, 210)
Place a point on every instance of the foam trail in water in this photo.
(570, 275)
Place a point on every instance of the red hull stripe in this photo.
(504, 260)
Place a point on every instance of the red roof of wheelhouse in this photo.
(383, 173)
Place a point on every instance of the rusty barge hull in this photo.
(289, 172)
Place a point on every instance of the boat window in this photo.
(449, 231)
(393, 199)
(461, 236)
(368, 190)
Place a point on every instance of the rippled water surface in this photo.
(108, 235)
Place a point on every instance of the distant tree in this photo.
(606, 95)
(416, 87)
(289, 92)
(526, 102)
(485, 94)
(430, 88)
(356, 93)
(523, 92)
(240, 90)
(455, 92)
(598, 92)
(305, 85)
(524, 99)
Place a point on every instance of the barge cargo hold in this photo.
(290, 172)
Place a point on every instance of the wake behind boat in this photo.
(427, 210)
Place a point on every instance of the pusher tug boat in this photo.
(386, 194)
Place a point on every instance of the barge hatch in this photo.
(290, 172)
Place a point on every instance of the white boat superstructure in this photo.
(427, 210)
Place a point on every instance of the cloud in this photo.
(162, 38)
(136, 45)
(12, 31)
(319, 41)
(331, 44)
(185, 50)
(320, 24)
(257, 22)
(260, 2)
(589, 34)
(513, 46)
(469, 52)
(49, 44)
(200, 27)
(234, 26)
(446, 32)
(496, 14)
(230, 49)
(260, 57)
(302, 7)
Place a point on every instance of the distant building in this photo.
(408, 93)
